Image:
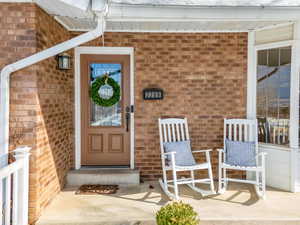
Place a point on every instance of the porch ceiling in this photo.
(76, 24)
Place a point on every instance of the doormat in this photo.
(96, 189)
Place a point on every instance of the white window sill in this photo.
(274, 146)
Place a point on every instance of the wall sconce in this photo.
(64, 61)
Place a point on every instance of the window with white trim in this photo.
(273, 95)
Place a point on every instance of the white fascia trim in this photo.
(173, 31)
(151, 13)
(101, 51)
(176, 31)
(23, 63)
(183, 19)
(167, 31)
(160, 31)
(142, 19)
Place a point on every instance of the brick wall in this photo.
(18, 40)
(203, 76)
(41, 99)
(54, 127)
(204, 79)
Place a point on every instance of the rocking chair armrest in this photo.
(171, 159)
(261, 154)
(202, 151)
(168, 153)
(165, 154)
(220, 150)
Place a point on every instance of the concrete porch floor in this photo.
(138, 204)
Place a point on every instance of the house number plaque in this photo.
(153, 94)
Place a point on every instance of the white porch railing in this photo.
(14, 187)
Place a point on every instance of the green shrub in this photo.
(177, 213)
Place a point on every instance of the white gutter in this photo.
(45, 54)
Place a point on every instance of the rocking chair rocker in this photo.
(175, 142)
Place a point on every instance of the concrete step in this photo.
(103, 176)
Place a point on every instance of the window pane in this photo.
(273, 95)
(106, 116)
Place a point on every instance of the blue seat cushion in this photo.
(183, 156)
(240, 153)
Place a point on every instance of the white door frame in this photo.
(100, 51)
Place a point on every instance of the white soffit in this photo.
(168, 26)
(76, 24)
(69, 8)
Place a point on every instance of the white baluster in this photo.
(7, 200)
(15, 199)
(23, 187)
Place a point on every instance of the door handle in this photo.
(127, 121)
(127, 118)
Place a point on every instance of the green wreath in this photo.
(100, 81)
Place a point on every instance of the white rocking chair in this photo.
(242, 130)
(175, 130)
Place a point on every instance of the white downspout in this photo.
(45, 54)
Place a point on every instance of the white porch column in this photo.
(294, 109)
(251, 77)
(251, 84)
